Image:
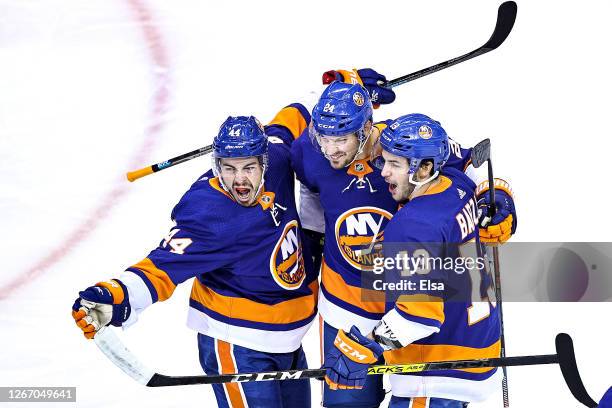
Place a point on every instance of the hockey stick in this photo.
(145, 171)
(506, 15)
(108, 342)
(481, 153)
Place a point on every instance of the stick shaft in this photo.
(110, 344)
(145, 171)
(498, 290)
(160, 380)
(506, 16)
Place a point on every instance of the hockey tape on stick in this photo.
(145, 171)
(108, 342)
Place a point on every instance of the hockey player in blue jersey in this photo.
(334, 163)
(357, 206)
(503, 225)
(238, 235)
(438, 220)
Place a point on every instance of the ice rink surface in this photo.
(90, 90)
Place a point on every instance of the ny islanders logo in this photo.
(359, 235)
(286, 262)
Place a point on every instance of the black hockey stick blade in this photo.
(506, 16)
(569, 369)
(481, 153)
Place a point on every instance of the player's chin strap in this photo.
(362, 145)
(421, 183)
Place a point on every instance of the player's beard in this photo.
(341, 159)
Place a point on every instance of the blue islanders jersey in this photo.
(357, 206)
(253, 286)
(442, 225)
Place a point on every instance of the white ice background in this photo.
(90, 90)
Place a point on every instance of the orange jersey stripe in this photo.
(289, 311)
(366, 299)
(419, 402)
(214, 183)
(424, 353)
(227, 367)
(292, 119)
(114, 289)
(158, 278)
(429, 307)
(439, 187)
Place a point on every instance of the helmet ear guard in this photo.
(417, 166)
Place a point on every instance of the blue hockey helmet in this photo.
(416, 137)
(342, 109)
(238, 137)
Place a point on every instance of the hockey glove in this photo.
(502, 225)
(346, 365)
(369, 79)
(100, 305)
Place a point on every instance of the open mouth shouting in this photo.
(243, 193)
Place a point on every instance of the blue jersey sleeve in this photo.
(194, 246)
(301, 152)
(460, 158)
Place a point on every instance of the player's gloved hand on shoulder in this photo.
(100, 305)
(346, 365)
(368, 78)
(502, 225)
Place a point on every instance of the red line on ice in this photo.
(159, 60)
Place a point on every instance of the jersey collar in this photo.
(359, 168)
(442, 185)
